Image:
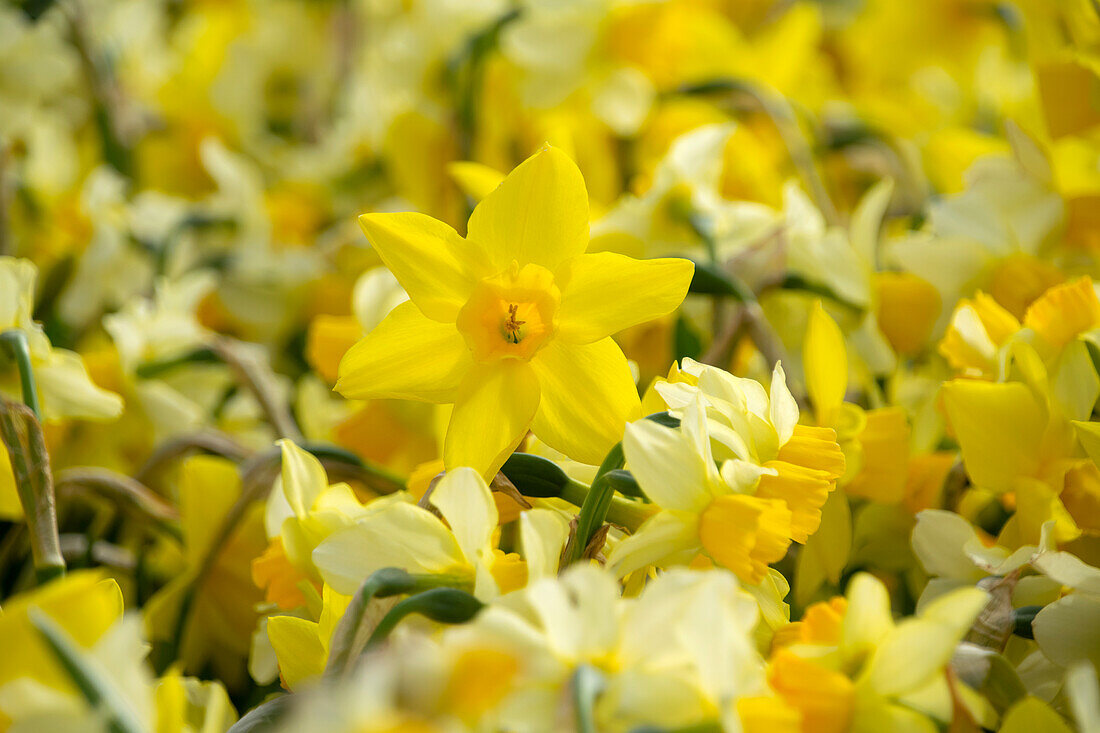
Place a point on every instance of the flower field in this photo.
(654, 366)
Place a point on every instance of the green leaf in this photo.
(710, 279)
(686, 344)
(264, 717)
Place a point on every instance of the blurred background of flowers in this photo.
(900, 202)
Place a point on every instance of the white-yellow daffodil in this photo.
(878, 674)
(773, 479)
(679, 654)
(404, 535)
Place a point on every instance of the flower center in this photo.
(510, 315)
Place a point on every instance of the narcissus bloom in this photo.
(738, 481)
(512, 324)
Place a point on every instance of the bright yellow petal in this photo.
(493, 411)
(538, 214)
(407, 357)
(605, 293)
(297, 646)
(303, 478)
(908, 307)
(885, 443)
(826, 699)
(768, 715)
(329, 339)
(825, 360)
(432, 262)
(83, 603)
(588, 396)
(999, 428)
(1032, 714)
(1064, 311)
(804, 490)
(208, 487)
(476, 180)
(10, 507)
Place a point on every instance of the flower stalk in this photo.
(22, 436)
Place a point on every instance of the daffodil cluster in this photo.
(514, 365)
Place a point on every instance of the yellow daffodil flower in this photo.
(512, 324)
(875, 674)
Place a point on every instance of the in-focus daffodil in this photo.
(512, 324)
(774, 478)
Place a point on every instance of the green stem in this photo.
(623, 512)
(587, 684)
(348, 638)
(22, 435)
(445, 605)
(15, 339)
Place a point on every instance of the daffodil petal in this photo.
(475, 179)
(539, 213)
(408, 357)
(665, 538)
(999, 428)
(825, 360)
(588, 395)
(542, 535)
(400, 535)
(298, 648)
(669, 471)
(782, 408)
(467, 504)
(605, 293)
(303, 478)
(432, 262)
(493, 411)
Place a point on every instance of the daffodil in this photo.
(512, 324)
(679, 654)
(301, 645)
(301, 511)
(773, 479)
(870, 673)
(1015, 438)
(685, 190)
(403, 535)
(989, 237)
